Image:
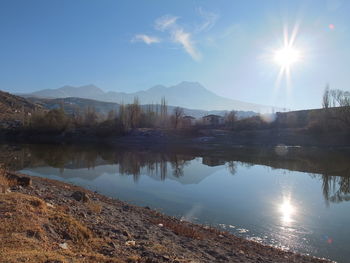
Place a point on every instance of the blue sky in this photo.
(228, 46)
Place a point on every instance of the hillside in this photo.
(15, 108)
(185, 94)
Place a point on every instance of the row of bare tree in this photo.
(337, 105)
(127, 117)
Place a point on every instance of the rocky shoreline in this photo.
(53, 222)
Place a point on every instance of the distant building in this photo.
(188, 121)
(213, 119)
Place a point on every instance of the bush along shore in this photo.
(43, 220)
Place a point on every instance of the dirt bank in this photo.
(54, 222)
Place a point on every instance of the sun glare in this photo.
(286, 56)
(287, 210)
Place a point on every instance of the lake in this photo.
(291, 197)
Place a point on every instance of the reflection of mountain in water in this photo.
(88, 174)
(195, 172)
(89, 162)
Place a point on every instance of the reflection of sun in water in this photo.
(287, 210)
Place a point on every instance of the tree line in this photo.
(117, 122)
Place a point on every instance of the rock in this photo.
(126, 208)
(166, 258)
(33, 234)
(63, 245)
(80, 196)
(50, 205)
(18, 180)
(24, 181)
(130, 243)
(160, 225)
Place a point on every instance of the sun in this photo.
(287, 56)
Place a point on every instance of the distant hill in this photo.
(185, 94)
(72, 105)
(15, 107)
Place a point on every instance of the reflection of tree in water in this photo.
(66, 157)
(178, 162)
(155, 164)
(336, 189)
(334, 166)
(231, 167)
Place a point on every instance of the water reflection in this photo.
(336, 189)
(287, 211)
(332, 167)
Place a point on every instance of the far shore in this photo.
(198, 138)
(51, 221)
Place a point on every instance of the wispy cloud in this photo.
(165, 22)
(178, 34)
(209, 18)
(146, 39)
(185, 39)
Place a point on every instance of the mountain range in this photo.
(72, 104)
(185, 94)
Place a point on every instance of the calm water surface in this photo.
(293, 198)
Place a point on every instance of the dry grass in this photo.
(134, 259)
(180, 228)
(4, 182)
(30, 231)
(68, 228)
(7, 179)
(94, 207)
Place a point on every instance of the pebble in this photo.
(63, 245)
(130, 243)
(50, 205)
(80, 196)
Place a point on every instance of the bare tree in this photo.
(230, 118)
(339, 100)
(123, 116)
(134, 113)
(163, 112)
(177, 116)
(326, 98)
(111, 115)
(91, 117)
